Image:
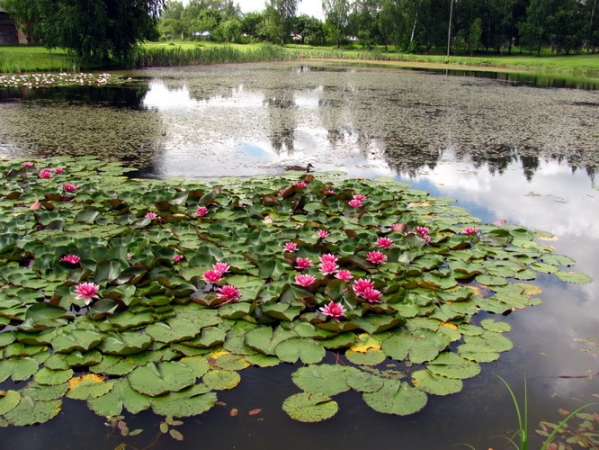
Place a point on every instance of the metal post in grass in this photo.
(449, 27)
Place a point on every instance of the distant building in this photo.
(10, 34)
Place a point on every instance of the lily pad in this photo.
(221, 380)
(396, 397)
(324, 378)
(310, 407)
(120, 396)
(436, 384)
(30, 412)
(156, 379)
(308, 350)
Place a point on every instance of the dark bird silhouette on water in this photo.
(308, 168)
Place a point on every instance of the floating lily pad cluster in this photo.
(55, 79)
(143, 294)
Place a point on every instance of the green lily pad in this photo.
(52, 377)
(572, 277)
(308, 350)
(364, 381)
(436, 384)
(156, 379)
(30, 412)
(125, 343)
(76, 340)
(19, 369)
(173, 330)
(120, 396)
(324, 378)
(310, 407)
(221, 380)
(192, 401)
(368, 358)
(396, 397)
(419, 345)
(8, 401)
(451, 365)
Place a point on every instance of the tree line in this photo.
(564, 26)
(110, 29)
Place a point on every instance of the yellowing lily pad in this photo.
(365, 342)
(88, 386)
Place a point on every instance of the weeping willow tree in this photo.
(91, 29)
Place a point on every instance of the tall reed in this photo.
(177, 56)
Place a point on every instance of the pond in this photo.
(504, 150)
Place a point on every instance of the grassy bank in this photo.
(181, 53)
(21, 58)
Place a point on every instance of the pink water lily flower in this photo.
(228, 293)
(59, 170)
(422, 231)
(301, 184)
(27, 164)
(360, 197)
(362, 284)
(212, 276)
(372, 295)
(290, 247)
(376, 257)
(86, 292)
(470, 230)
(355, 203)
(304, 280)
(68, 187)
(45, 173)
(384, 242)
(328, 257)
(334, 310)
(221, 267)
(302, 263)
(201, 211)
(71, 259)
(178, 258)
(322, 234)
(328, 267)
(151, 215)
(344, 275)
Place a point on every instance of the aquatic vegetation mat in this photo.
(141, 294)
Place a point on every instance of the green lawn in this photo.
(21, 58)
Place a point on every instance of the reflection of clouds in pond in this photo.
(228, 134)
(162, 98)
(541, 203)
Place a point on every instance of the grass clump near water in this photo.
(165, 56)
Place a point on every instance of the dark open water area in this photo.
(507, 149)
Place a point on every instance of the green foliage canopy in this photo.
(94, 29)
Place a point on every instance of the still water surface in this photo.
(503, 150)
